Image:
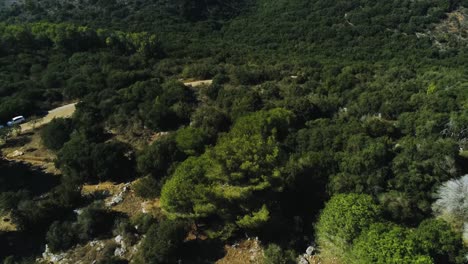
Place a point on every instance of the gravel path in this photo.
(59, 112)
(198, 83)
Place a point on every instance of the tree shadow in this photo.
(202, 251)
(16, 176)
(18, 141)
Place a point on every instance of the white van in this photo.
(16, 120)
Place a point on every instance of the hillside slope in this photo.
(322, 131)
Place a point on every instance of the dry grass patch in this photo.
(7, 223)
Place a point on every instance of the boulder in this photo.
(310, 250)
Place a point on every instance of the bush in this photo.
(87, 161)
(191, 140)
(143, 221)
(61, 236)
(199, 71)
(385, 243)
(156, 159)
(147, 187)
(273, 254)
(113, 161)
(56, 133)
(162, 242)
(343, 219)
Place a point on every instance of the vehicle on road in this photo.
(16, 120)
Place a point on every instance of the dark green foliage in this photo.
(113, 160)
(61, 236)
(419, 164)
(91, 222)
(361, 101)
(56, 133)
(157, 158)
(112, 260)
(211, 121)
(87, 161)
(162, 242)
(171, 108)
(275, 255)
(148, 187)
(437, 239)
(143, 221)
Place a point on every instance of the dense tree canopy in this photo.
(337, 122)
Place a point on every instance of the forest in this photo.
(336, 125)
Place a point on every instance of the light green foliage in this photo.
(255, 220)
(432, 88)
(343, 219)
(235, 178)
(73, 37)
(433, 241)
(182, 194)
(386, 243)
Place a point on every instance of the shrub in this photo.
(162, 242)
(343, 219)
(273, 254)
(56, 133)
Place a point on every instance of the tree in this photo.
(157, 158)
(162, 242)
(343, 219)
(363, 165)
(432, 241)
(87, 161)
(211, 120)
(437, 239)
(113, 161)
(171, 108)
(56, 133)
(74, 159)
(61, 236)
(419, 165)
(387, 243)
(183, 194)
(191, 140)
(236, 180)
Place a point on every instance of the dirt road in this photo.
(68, 110)
(198, 83)
(60, 112)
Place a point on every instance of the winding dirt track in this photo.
(69, 109)
(198, 83)
(59, 112)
